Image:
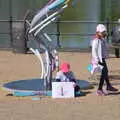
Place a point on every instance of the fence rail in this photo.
(58, 33)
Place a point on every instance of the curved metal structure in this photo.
(49, 56)
(46, 53)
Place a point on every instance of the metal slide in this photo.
(49, 55)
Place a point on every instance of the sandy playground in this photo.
(89, 107)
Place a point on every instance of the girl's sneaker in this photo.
(100, 93)
(110, 88)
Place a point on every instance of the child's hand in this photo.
(74, 84)
(95, 61)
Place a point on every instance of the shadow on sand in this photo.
(114, 93)
(82, 93)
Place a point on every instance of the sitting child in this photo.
(66, 75)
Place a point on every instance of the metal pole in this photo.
(107, 25)
(58, 33)
(10, 21)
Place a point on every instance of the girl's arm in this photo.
(95, 56)
(72, 77)
(58, 76)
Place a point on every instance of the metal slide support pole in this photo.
(36, 52)
(51, 75)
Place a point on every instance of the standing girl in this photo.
(99, 55)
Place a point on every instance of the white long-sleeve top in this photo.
(69, 77)
(99, 49)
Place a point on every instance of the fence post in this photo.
(107, 25)
(10, 20)
(58, 33)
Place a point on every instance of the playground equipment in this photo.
(47, 53)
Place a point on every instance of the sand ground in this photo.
(89, 107)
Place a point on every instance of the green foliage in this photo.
(115, 9)
(110, 9)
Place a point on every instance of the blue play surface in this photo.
(32, 87)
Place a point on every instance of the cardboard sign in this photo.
(62, 90)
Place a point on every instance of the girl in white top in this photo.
(99, 54)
